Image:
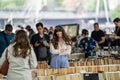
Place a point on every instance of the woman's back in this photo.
(21, 57)
(19, 68)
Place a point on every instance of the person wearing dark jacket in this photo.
(30, 30)
(40, 42)
(117, 31)
(6, 37)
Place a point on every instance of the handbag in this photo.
(5, 65)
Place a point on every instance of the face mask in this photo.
(45, 33)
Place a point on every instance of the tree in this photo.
(11, 4)
(115, 13)
(52, 4)
(90, 5)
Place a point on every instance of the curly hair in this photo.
(65, 37)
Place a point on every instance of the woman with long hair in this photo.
(60, 47)
(21, 57)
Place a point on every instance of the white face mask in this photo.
(45, 33)
(27, 32)
(51, 36)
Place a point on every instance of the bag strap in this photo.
(6, 55)
(29, 60)
(6, 40)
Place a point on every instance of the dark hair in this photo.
(28, 27)
(85, 31)
(21, 42)
(45, 28)
(39, 24)
(116, 20)
(21, 27)
(8, 27)
(64, 36)
(96, 24)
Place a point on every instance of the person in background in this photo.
(6, 37)
(46, 31)
(88, 44)
(51, 32)
(51, 29)
(115, 22)
(79, 39)
(117, 31)
(112, 41)
(21, 27)
(21, 57)
(30, 30)
(40, 42)
(98, 35)
(60, 47)
(76, 48)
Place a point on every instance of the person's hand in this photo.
(79, 48)
(116, 37)
(62, 50)
(36, 44)
(45, 43)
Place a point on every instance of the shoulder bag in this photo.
(5, 65)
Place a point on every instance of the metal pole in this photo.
(97, 9)
(106, 10)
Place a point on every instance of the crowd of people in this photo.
(51, 45)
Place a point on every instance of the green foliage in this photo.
(19, 4)
(11, 4)
(58, 2)
(90, 5)
(52, 4)
(115, 13)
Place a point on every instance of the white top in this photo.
(63, 46)
(19, 68)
